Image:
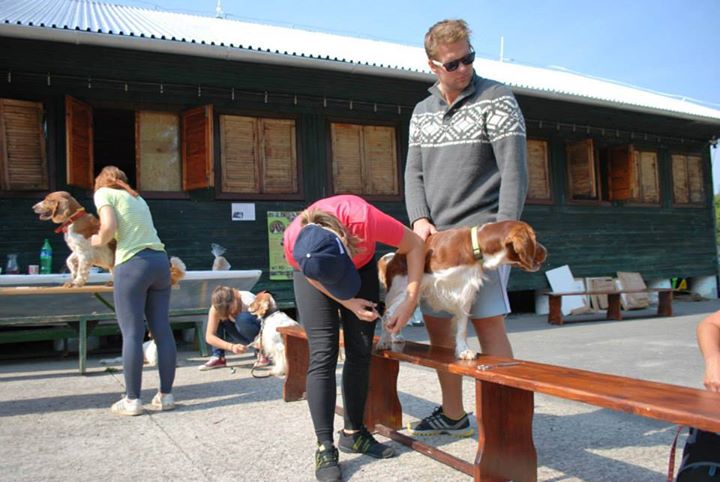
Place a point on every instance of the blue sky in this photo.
(668, 46)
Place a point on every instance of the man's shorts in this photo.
(491, 300)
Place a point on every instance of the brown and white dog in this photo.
(454, 267)
(78, 226)
(271, 342)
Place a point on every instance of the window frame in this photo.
(220, 194)
(50, 134)
(597, 174)
(551, 199)
(396, 125)
(703, 168)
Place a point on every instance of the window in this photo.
(144, 144)
(539, 180)
(645, 188)
(258, 155)
(23, 162)
(364, 159)
(688, 179)
(581, 170)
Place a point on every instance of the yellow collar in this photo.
(475, 246)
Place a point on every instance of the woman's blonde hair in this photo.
(114, 178)
(223, 299)
(445, 32)
(327, 220)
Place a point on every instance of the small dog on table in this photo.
(78, 226)
(269, 341)
(455, 262)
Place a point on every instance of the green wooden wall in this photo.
(596, 239)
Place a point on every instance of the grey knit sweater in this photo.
(467, 163)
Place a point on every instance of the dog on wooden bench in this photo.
(455, 261)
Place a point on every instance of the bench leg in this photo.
(613, 311)
(383, 405)
(297, 357)
(665, 303)
(555, 316)
(505, 446)
(200, 338)
(82, 345)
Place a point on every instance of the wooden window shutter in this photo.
(696, 183)
(79, 142)
(380, 160)
(620, 172)
(197, 147)
(239, 154)
(347, 154)
(539, 180)
(23, 160)
(648, 189)
(681, 194)
(581, 169)
(279, 166)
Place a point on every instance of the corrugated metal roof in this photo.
(92, 22)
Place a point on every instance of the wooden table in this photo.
(555, 316)
(83, 324)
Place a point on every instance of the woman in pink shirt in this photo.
(331, 245)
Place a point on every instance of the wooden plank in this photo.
(53, 290)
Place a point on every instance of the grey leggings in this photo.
(142, 292)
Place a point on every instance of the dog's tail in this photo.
(177, 270)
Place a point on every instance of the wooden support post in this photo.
(613, 311)
(665, 303)
(505, 445)
(383, 405)
(297, 355)
(555, 316)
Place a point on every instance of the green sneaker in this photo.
(326, 463)
(362, 442)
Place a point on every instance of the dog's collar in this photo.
(76, 215)
(271, 312)
(477, 252)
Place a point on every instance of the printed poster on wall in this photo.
(277, 222)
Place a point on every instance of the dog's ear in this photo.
(523, 249)
(59, 209)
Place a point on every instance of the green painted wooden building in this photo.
(203, 113)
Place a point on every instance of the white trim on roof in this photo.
(88, 22)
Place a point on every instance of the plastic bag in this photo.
(220, 263)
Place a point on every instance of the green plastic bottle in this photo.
(46, 258)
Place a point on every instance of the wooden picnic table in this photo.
(83, 324)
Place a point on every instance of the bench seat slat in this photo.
(661, 401)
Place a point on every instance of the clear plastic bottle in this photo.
(46, 258)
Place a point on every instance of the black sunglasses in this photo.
(453, 65)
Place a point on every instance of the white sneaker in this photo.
(163, 401)
(128, 407)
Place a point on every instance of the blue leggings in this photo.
(142, 292)
(244, 330)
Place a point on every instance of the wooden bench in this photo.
(555, 316)
(504, 395)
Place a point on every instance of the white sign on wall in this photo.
(243, 212)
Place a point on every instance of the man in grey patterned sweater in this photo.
(466, 166)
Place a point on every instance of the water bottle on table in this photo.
(46, 258)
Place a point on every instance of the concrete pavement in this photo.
(56, 425)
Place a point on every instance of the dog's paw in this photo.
(68, 284)
(466, 354)
(398, 339)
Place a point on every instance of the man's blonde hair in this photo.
(327, 220)
(222, 299)
(445, 32)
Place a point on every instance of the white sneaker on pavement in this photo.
(128, 407)
(163, 401)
